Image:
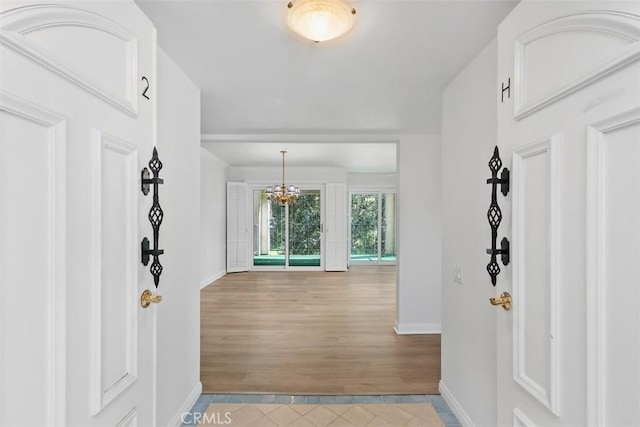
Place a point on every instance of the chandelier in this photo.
(320, 20)
(283, 194)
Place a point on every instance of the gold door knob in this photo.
(147, 298)
(504, 300)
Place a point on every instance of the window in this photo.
(288, 236)
(373, 227)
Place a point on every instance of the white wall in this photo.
(372, 180)
(469, 132)
(293, 175)
(419, 245)
(178, 351)
(213, 231)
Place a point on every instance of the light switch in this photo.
(457, 273)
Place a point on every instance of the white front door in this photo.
(77, 119)
(568, 350)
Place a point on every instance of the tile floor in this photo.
(342, 408)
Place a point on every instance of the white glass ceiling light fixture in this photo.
(320, 20)
(283, 194)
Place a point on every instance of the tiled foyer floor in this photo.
(323, 411)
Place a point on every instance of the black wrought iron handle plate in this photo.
(147, 252)
(494, 215)
(146, 181)
(155, 216)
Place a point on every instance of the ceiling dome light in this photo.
(320, 20)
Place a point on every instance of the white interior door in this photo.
(77, 118)
(568, 349)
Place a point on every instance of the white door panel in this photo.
(52, 35)
(32, 263)
(613, 252)
(572, 65)
(535, 264)
(84, 61)
(115, 241)
(600, 43)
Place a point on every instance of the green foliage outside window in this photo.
(304, 225)
(364, 224)
(276, 228)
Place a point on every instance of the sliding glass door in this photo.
(305, 230)
(287, 236)
(373, 227)
(268, 231)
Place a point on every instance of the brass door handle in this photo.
(147, 298)
(504, 300)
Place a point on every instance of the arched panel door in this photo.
(77, 123)
(568, 349)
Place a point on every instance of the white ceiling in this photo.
(385, 76)
(355, 157)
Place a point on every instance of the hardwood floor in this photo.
(312, 333)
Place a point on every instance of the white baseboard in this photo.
(417, 328)
(209, 280)
(458, 411)
(176, 421)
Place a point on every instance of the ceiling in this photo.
(354, 157)
(385, 76)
